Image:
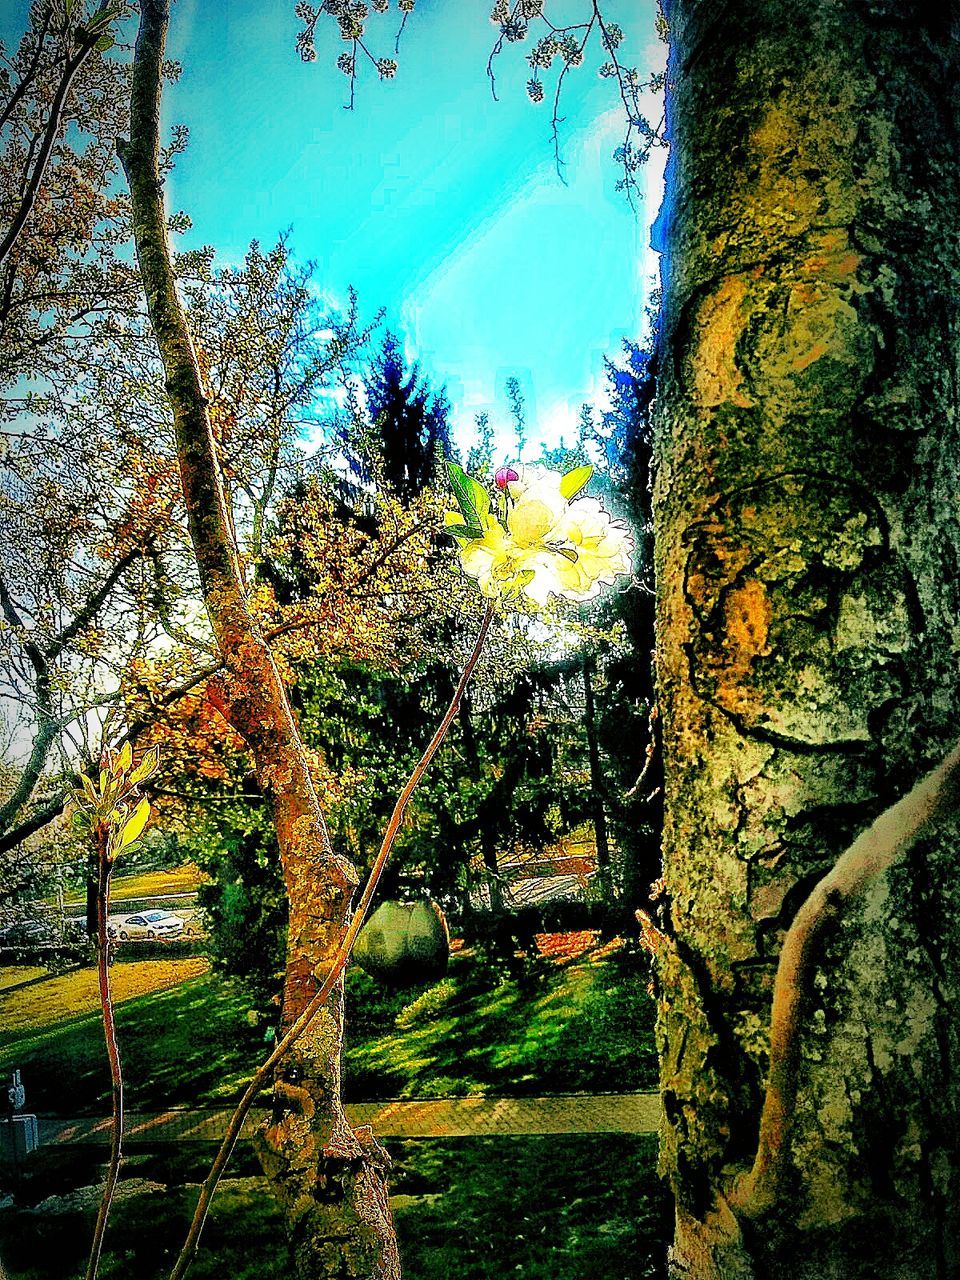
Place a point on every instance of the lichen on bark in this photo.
(808, 546)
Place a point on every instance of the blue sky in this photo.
(432, 199)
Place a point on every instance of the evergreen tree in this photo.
(409, 421)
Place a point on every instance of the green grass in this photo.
(475, 1209)
(585, 1027)
(65, 997)
(552, 1208)
(146, 884)
(244, 1238)
(189, 1043)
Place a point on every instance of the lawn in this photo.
(39, 1006)
(586, 1027)
(478, 1209)
(184, 1035)
(18, 975)
(148, 884)
(189, 1036)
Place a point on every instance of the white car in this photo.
(145, 924)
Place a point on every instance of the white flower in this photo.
(547, 541)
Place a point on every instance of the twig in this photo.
(105, 867)
(652, 719)
(872, 854)
(337, 964)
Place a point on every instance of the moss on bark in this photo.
(808, 544)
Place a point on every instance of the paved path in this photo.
(428, 1118)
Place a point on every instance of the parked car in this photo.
(145, 924)
(29, 933)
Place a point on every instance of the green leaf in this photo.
(464, 531)
(134, 825)
(102, 16)
(472, 498)
(575, 480)
(122, 761)
(568, 553)
(146, 768)
(104, 43)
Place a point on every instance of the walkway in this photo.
(471, 1117)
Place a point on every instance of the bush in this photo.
(427, 1005)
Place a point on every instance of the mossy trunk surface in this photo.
(808, 566)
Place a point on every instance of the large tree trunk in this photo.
(330, 1178)
(808, 566)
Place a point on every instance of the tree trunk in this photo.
(329, 1178)
(808, 569)
(597, 782)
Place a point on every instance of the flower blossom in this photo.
(542, 540)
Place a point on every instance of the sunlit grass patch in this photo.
(16, 974)
(150, 884)
(75, 995)
(184, 1036)
(586, 1026)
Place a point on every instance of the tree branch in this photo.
(91, 606)
(31, 71)
(41, 659)
(30, 826)
(871, 855)
(88, 42)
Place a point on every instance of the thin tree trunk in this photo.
(808, 574)
(330, 1179)
(104, 872)
(597, 787)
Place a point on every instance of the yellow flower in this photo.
(603, 550)
(549, 541)
(537, 508)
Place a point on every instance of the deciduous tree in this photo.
(807, 540)
(329, 1176)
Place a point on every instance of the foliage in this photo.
(429, 1004)
(626, 703)
(63, 282)
(244, 901)
(410, 422)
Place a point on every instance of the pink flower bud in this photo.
(504, 477)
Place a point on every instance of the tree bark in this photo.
(808, 574)
(597, 783)
(330, 1179)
